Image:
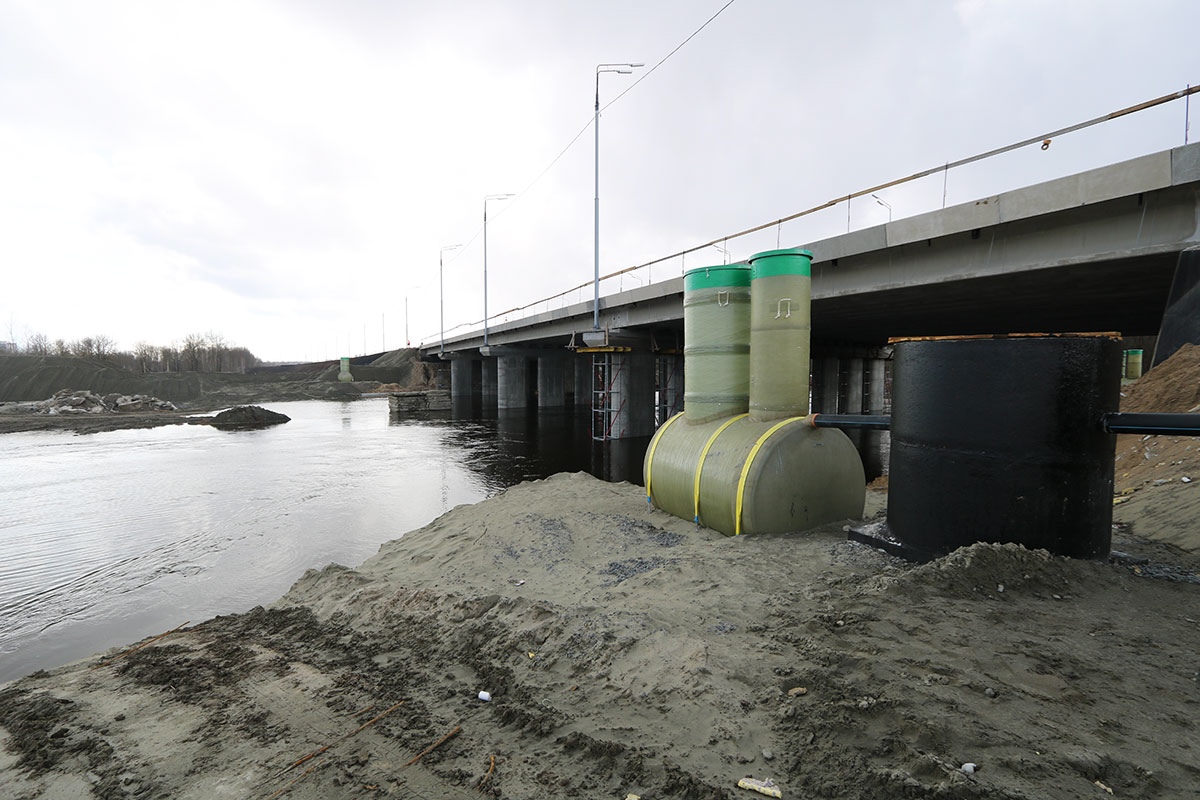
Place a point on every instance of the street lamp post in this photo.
(885, 204)
(623, 69)
(441, 296)
(485, 309)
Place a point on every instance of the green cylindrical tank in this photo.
(738, 476)
(742, 457)
(1133, 364)
(716, 335)
(344, 372)
(780, 328)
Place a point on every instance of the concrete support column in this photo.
(634, 387)
(876, 380)
(569, 366)
(512, 382)
(852, 403)
(877, 445)
(489, 379)
(460, 377)
(552, 392)
(829, 386)
(669, 386)
(583, 380)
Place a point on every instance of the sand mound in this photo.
(1167, 467)
(1172, 386)
(627, 651)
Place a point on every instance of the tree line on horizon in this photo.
(199, 352)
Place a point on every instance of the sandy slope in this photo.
(628, 651)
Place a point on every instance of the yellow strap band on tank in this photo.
(654, 446)
(700, 462)
(741, 490)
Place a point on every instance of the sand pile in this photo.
(1157, 478)
(627, 651)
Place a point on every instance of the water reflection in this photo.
(530, 443)
(111, 537)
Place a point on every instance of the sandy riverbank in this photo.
(627, 651)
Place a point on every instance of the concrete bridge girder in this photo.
(1093, 251)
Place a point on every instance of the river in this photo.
(111, 537)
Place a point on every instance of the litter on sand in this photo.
(766, 787)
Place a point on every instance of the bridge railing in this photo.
(583, 291)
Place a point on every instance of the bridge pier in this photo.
(856, 384)
(462, 377)
(582, 379)
(825, 391)
(488, 381)
(551, 381)
(668, 386)
(623, 395)
(512, 382)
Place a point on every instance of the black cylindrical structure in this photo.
(1001, 439)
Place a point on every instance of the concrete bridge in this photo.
(1096, 251)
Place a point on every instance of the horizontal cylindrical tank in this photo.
(780, 329)
(760, 468)
(736, 475)
(716, 336)
(1002, 440)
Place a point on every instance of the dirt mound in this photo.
(26, 378)
(628, 651)
(1157, 478)
(985, 569)
(1171, 387)
(245, 417)
(30, 378)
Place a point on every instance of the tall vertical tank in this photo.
(716, 341)
(756, 466)
(780, 330)
(1000, 439)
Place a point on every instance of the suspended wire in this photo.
(591, 120)
(650, 71)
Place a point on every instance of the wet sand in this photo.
(627, 651)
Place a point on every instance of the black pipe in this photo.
(1170, 424)
(874, 422)
(1149, 423)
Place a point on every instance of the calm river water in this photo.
(111, 537)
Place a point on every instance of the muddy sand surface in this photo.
(628, 651)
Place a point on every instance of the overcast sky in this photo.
(285, 173)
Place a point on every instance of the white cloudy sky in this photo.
(285, 172)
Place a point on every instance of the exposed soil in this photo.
(33, 378)
(627, 651)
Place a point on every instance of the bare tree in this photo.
(191, 353)
(83, 348)
(37, 344)
(103, 346)
(61, 348)
(146, 356)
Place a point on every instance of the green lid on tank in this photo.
(721, 276)
(789, 261)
